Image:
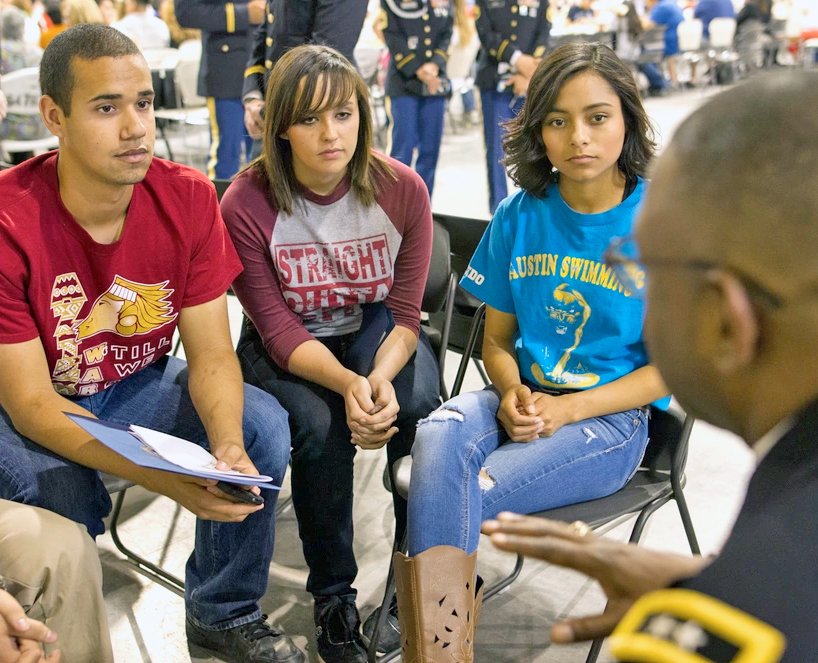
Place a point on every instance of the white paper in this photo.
(184, 454)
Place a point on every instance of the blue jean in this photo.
(226, 574)
(227, 135)
(417, 122)
(466, 470)
(498, 108)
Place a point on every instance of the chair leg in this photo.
(388, 595)
(687, 521)
(499, 586)
(593, 652)
(283, 505)
(480, 369)
(644, 514)
(145, 567)
(161, 124)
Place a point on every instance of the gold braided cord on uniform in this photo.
(255, 69)
(501, 49)
(405, 60)
(443, 53)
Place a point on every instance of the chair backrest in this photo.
(652, 39)
(664, 432)
(161, 58)
(221, 187)
(722, 30)
(440, 271)
(22, 88)
(187, 81)
(191, 49)
(690, 34)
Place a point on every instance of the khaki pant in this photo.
(52, 564)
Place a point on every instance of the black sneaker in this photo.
(389, 637)
(338, 631)
(255, 642)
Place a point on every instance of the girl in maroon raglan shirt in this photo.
(325, 228)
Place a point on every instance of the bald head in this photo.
(739, 182)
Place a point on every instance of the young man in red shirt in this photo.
(104, 251)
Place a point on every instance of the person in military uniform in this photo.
(514, 36)
(226, 37)
(289, 23)
(728, 240)
(417, 33)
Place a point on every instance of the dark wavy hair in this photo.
(291, 90)
(526, 159)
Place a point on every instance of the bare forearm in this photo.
(217, 391)
(394, 352)
(501, 365)
(636, 389)
(313, 361)
(50, 428)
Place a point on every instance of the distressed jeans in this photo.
(466, 470)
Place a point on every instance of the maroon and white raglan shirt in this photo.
(306, 274)
(105, 311)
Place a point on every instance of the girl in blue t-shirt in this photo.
(564, 419)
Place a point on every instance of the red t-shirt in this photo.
(104, 311)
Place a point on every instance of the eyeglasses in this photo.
(622, 256)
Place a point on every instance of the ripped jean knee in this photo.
(443, 414)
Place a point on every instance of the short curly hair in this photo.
(526, 158)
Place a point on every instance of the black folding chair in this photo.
(659, 479)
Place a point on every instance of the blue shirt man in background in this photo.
(669, 14)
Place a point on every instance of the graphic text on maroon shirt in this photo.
(326, 278)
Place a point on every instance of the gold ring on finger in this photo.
(580, 528)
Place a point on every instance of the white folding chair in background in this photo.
(161, 61)
(22, 89)
(689, 34)
(721, 51)
(191, 108)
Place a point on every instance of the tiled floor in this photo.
(147, 620)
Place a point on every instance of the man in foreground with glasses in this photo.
(729, 244)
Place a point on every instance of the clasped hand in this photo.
(526, 416)
(371, 409)
(428, 73)
(20, 637)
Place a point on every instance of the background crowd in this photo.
(312, 116)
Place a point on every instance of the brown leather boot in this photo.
(437, 607)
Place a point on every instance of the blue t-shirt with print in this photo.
(543, 262)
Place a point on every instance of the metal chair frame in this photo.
(669, 485)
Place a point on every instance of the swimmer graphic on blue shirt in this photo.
(571, 311)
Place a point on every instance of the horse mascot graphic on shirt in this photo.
(129, 308)
(570, 309)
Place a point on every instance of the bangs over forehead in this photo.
(323, 90)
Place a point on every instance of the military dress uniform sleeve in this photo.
(441, 45)
(256, 70)
(226, 17)
(491, 39)
(543, 34)
(396, 37)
